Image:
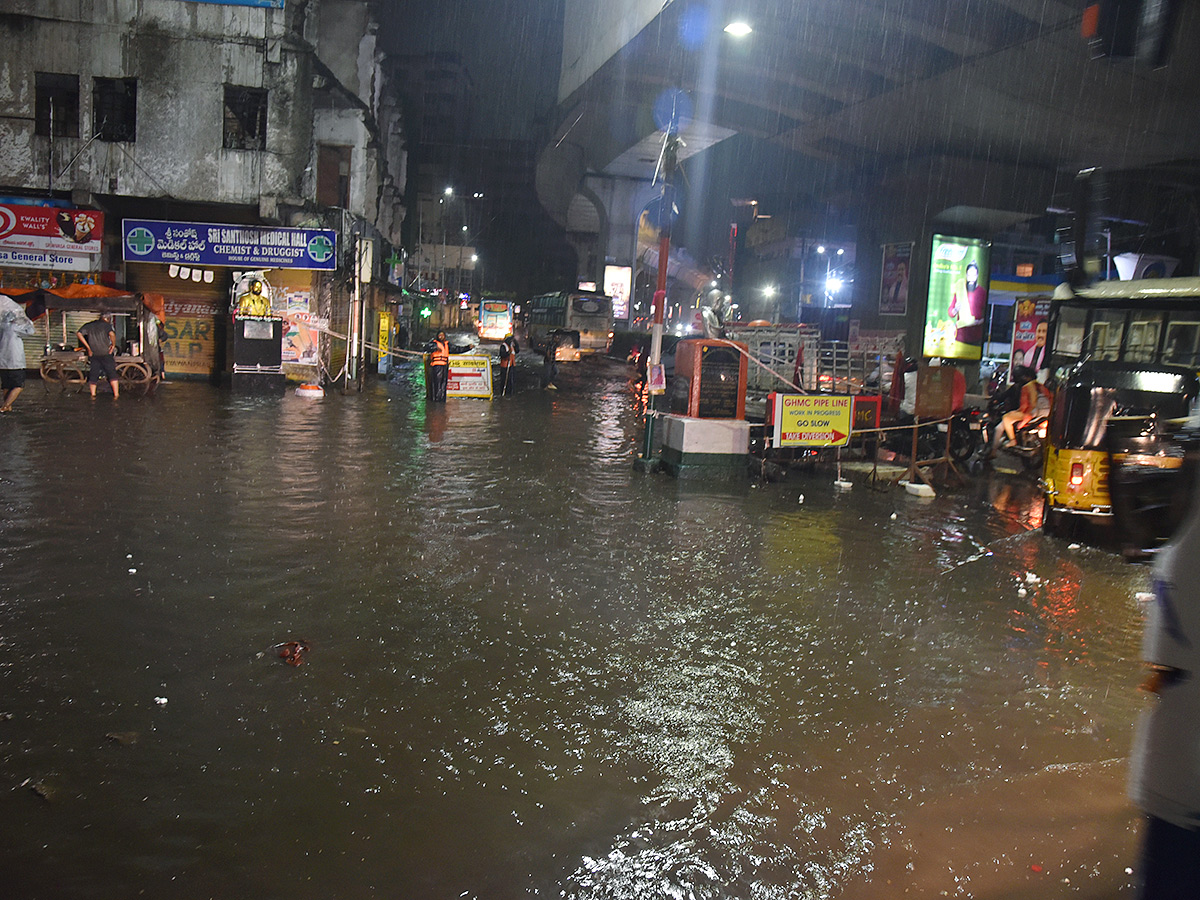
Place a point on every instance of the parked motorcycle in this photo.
(964, 428)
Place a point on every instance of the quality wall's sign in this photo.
(236, 246)
(47, 228)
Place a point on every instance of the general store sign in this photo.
(812, 420)
(45, 259)
(74, 231)
(236, 246)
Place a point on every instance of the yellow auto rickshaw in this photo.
(1131, 400)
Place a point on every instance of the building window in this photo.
(245, 118)
(114, 108)
(333, 176)
(57, 104)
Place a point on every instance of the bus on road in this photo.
(495, 320)
(582, 321)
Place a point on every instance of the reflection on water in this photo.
(533, 671)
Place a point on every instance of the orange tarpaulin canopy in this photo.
(92, 297)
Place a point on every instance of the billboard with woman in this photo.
(958, 292)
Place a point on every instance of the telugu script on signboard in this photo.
(206, 244)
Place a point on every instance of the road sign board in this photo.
(812, 420)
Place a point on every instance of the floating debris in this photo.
(42, 788)
(292, 652)
(124, 738)
(161, 701)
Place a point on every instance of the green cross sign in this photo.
(320, 248)
(140, 241)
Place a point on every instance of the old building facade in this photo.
(247, 113)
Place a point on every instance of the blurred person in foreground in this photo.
(13, 324)
(1164, 777)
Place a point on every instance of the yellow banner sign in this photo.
(812, 420)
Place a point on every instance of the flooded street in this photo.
(533, 671)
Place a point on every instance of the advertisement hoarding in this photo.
(957, 303)
(46, 228)
(618, 284)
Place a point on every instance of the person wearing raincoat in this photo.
(1164, 773)
(13, 324)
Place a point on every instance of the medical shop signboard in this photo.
(811, 420)
(235, 246)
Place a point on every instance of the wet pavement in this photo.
(531, 671)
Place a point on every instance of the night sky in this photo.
(511, 48)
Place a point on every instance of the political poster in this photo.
(893, 290)
(1031, 329)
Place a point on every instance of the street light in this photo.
(738, 29)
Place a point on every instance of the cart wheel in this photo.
(52, 371)
(134, 375)
(62, 372)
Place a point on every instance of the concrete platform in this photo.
(705, 447)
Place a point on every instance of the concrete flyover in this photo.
(906, 117)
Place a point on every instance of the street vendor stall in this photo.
(59, 313)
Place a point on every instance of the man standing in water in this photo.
(508, 364)
(100, 342)
(13, 324)
(439, 366)
(550, 363)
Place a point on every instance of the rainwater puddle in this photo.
(533, 672)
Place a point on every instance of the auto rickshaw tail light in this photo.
(1076, 474)
(1042, 431)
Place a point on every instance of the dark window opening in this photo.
(333, 176)
(56, 105)
(245, 118)
(114, 108)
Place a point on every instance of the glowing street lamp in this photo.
(738, 29)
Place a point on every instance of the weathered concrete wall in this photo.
(182, 55)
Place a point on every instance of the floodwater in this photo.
(533, 671)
